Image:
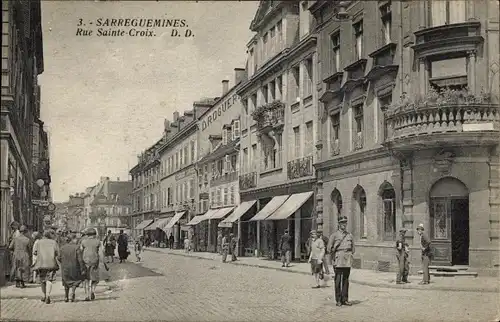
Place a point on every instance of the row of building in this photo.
(106, 206)
(386, 112)
(24, 143)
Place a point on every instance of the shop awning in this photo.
(160, 223)
(221, 213)
(143, 224)
(196, 220)
(175, 219)
(271, 207)
(290, 206)
(237, 213)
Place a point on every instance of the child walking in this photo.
(138, 250)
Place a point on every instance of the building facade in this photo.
(76, 221)
(218, 164)
(145, 188)
(108, 205)
(278, 126)
(408, 127)
(22, 62)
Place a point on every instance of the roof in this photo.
(221, 151)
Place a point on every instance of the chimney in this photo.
(225, 87)
(239, 75)
(176, 116)
(166, 124)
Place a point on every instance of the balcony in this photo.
(224, 178)
(449, 117)
(302, 167)
(269, 116)
(248, 181)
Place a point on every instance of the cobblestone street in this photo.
(176, 288)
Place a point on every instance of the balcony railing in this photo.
(299, 168)
(455, 111)
(335, 147)
(248, 181)
(224, 178)
(269, 116)
(272, 161)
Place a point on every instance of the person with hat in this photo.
(21, 246)
(225, 248)
(402, 254)
(316, 257)
(426, 254)
(90, 247)
(46, 251)
(341, 246)
(286, 249)
(72, 266)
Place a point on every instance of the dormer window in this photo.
(236, 129)
(224, 136)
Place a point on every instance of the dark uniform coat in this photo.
(341, 246)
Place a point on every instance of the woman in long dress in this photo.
(73, 267)
(21, 246)
(122, 246)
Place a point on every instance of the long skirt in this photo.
(123, 253)
(109, 250)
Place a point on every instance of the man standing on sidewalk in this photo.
(402, 257)
(233, 244)
(341, 247)
(426, 254)
(285, 249)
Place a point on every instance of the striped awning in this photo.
(143, 224)
(175, 219)
(221, 213)
(237, 213)
(160, 224)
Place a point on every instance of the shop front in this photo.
(237, 223)
(174, 227)
(158, 234)
(284, 212)
(213, 226)
(139, 230)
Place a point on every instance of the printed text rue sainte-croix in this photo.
(132, 27)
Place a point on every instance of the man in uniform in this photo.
(426, 254)
(341, 246)
(402, 257)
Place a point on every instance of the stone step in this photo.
(451, 274)
(454, 268)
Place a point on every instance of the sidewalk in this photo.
(33, 291)
(359, 276)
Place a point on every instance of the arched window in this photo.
(359, 196)
(388, 202)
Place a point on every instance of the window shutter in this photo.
(236, 129)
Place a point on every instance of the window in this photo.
(279, 88)
(295, 89)
(191, 188)
(224, 136)
(279, 31)
(253, 98)
(272, 91)
(296, 135)
(169, 196)
(186, 191)
(236, 129)
(232, 201)
(193, 151)
(309, 144)
(254, 157)
(386, 16)
(385, 102)
(308, 79)
(265, 98)
(272, 33)
(251, 62)
(234, 162)
(219, 197)
(360, 197)
(358, 127)
(264, 46)
(244, 161)
(444, 12)
(358, 35)
(226, 196)
(389, 213)
(448, 73)
(186, 155)
(212, 197)
(227, 164)
(336, 51)
(336, 127)
(358, 118)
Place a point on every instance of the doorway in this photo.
(449, 214)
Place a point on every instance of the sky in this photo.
(104, 99)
